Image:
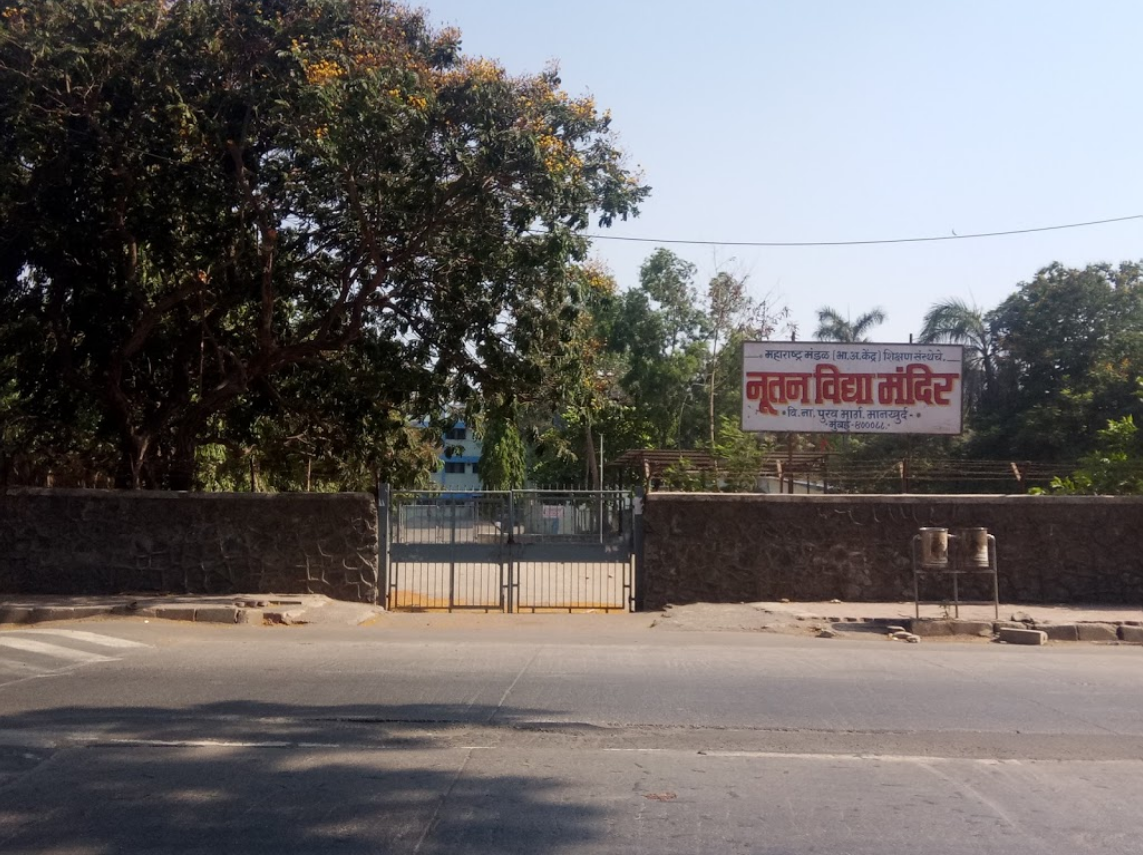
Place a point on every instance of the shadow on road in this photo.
(252, 777)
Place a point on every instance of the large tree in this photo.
(659, 331)
(198, 197)
(1071, 351)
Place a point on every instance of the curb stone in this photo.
(932, 628)
(1080, 631)
(1131, 633)
(1096, 632)
(14, 615)
(46, 613)
(174, 612)
(20, 615)
(1059, 631)
(133, 611)
(216, 614)
(42, 614)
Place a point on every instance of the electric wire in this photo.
(795, 243)
(821, 243)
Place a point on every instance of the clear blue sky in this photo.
(795, 120)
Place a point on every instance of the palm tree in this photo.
(833, 327)
(956, 322)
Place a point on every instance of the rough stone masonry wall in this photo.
(100, 542)
(732, 548)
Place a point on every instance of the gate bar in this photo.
(384, 536)
(510, 543)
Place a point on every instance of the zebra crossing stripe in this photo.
(88, 637)
(53, 650)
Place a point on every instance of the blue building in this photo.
(459, 459)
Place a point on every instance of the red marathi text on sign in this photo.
(917, 384)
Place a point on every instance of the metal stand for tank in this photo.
(974, 551)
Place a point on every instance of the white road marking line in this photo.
(89, 637)
(53, 650)
(25, 668)
(58, 738)
(209, 743)
(793, 755)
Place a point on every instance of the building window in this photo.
(457, 433)
(454, 468)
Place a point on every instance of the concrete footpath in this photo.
(1018, 624)
(257, 609)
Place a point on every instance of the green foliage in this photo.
(955, 322)
(680, 477)
(204, 202)
(1114, 468)
(502, 460)
(732, 317)
(661, 367)
(561, 452)
(832, 326)
(668, 281)
(1071, 353)
(681, 350)
(658, 333)
(741, 454)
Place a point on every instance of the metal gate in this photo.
(523, 550)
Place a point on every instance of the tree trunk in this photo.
(592, 462)
(711, 408)
(180, 476)
(133, 449)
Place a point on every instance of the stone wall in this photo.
(738, 548)
(98, 542)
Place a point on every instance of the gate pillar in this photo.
(637, 599)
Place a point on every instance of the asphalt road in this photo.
(580, 734)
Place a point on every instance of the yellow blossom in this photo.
(323, 71)
(584, 109)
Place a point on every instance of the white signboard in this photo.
(825, 387)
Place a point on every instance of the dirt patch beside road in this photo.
(758, 617)
(875, 620)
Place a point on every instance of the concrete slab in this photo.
(1023, 636)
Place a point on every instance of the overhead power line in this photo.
(930, 239)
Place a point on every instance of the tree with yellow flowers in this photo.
(215, 213)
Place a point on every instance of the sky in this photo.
(851, 120)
